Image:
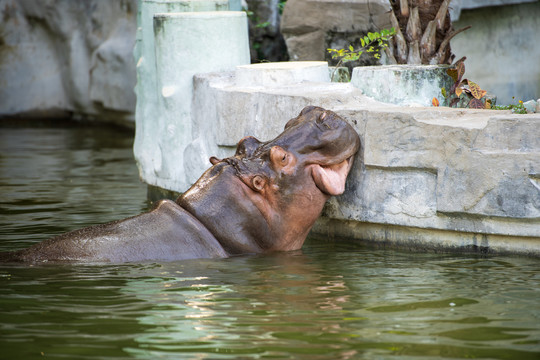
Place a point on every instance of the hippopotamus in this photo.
(265, 198)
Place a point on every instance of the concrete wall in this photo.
(502, 49)
(428, 177)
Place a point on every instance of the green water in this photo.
(333, 300)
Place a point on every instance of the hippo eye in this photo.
(279, 156)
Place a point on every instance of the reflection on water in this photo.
(330, 301)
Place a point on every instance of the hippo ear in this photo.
(214, 160)
(255, 182)
(247, 146)
(258, 183)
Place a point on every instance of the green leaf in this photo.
(262, 25)
(351, 48)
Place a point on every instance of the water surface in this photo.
(332, 300)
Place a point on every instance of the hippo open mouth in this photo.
(330, 179)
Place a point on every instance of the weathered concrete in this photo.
(502, 49)
(433, 178)
(282, 73)
(185, 43)
(74, 59)
(402, 84)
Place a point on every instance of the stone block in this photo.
(147, 116)
(463, 173)
(388, 196)
(281, 73)
(530, 106)
(402, 84)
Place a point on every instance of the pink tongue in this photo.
(331, 179)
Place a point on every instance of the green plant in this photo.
(281, 6)
(516, 108)
(372, 43)
(464, 92)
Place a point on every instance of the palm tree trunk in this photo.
(423, 32)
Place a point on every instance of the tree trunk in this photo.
(423, 32)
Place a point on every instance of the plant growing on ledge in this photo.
(518, 108)
(464, 93)
(372, 43)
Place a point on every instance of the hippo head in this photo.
(315, 148)
(280, 186)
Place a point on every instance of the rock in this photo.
(530, 106)
(339, 74)
(282, 73)
(402, 84)
(68, 58)
(456, 175)
(311, 26)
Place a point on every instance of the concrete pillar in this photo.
(149, 120)
(185, 44)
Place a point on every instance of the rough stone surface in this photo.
(65, 58)
(311, 26)
(402, 84)
(468, 176)
(530, 106)
(282, 73)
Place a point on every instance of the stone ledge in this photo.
(426, 240)
(280, 74)
(437, 169)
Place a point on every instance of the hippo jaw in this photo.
(330, 179)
